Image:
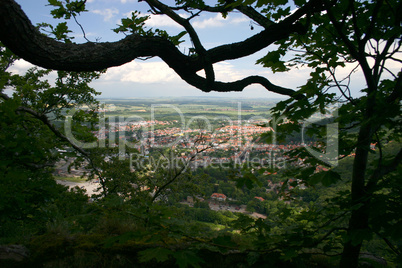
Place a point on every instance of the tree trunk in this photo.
(358, 222)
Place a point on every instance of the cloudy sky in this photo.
(153, 77)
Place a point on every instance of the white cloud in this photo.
(159, 72)
(107, 13)
(238, 20)
(156, 21)
(163, 21)
(20, 67)
(218, 21)
(143, 72)
(227, 72)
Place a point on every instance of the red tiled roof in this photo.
(217, 195)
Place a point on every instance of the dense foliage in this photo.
(335, 202)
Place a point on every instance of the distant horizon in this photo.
(153, 78)
(190, 97)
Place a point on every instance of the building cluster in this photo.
(218, 197)
(233, 143)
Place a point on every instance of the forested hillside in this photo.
(313, 180)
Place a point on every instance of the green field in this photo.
(71, 179)
(166, 109)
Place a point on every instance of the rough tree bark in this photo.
(19, 35)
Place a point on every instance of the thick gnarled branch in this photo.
(19, 35)
(237, 86)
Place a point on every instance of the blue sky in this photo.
(153, 77)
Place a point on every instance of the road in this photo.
(90, 187)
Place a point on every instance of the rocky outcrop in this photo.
(13, 253)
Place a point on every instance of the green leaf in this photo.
(159, 254)
(358, 236)
(55, 3)
(176, 39)
(247, 179)
(300, 3)
(186, 258)
(122, 239)
(272, 60)
(243, 222)
(223, 240)
(327, 178)
(289, 254)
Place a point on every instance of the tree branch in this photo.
(199, 48)
(256, 16)
(397, 92)
(373, 20)
(179, 172)
(58, 134)
(382, 171)
(19, 35)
